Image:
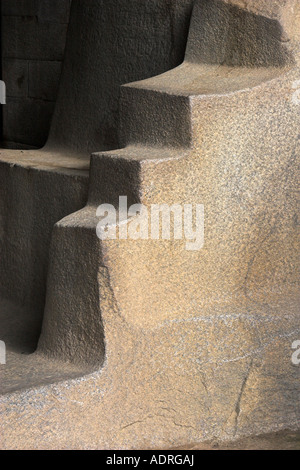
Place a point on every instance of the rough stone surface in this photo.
(285, 440)
(177, 346)
(56, 11)
(15, 73)
(85, 120)
(20, 116)
(45, 191)
(34, 40)
(32, 48)
(44, 79)
(127, 43)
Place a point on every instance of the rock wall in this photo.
(33, 43)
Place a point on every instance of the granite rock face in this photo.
(145, 343)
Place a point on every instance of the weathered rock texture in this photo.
(177, 346)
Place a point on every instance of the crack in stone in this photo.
(255, 352)
(135, 422)
(252, 260)
(159, 416)
(238, 403)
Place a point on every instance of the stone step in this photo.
(122, 172)
(229, 49)
(154, 118)
(159, 111)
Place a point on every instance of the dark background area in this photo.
(33, 37)
(1, 124)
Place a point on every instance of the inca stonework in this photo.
(137, 342)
